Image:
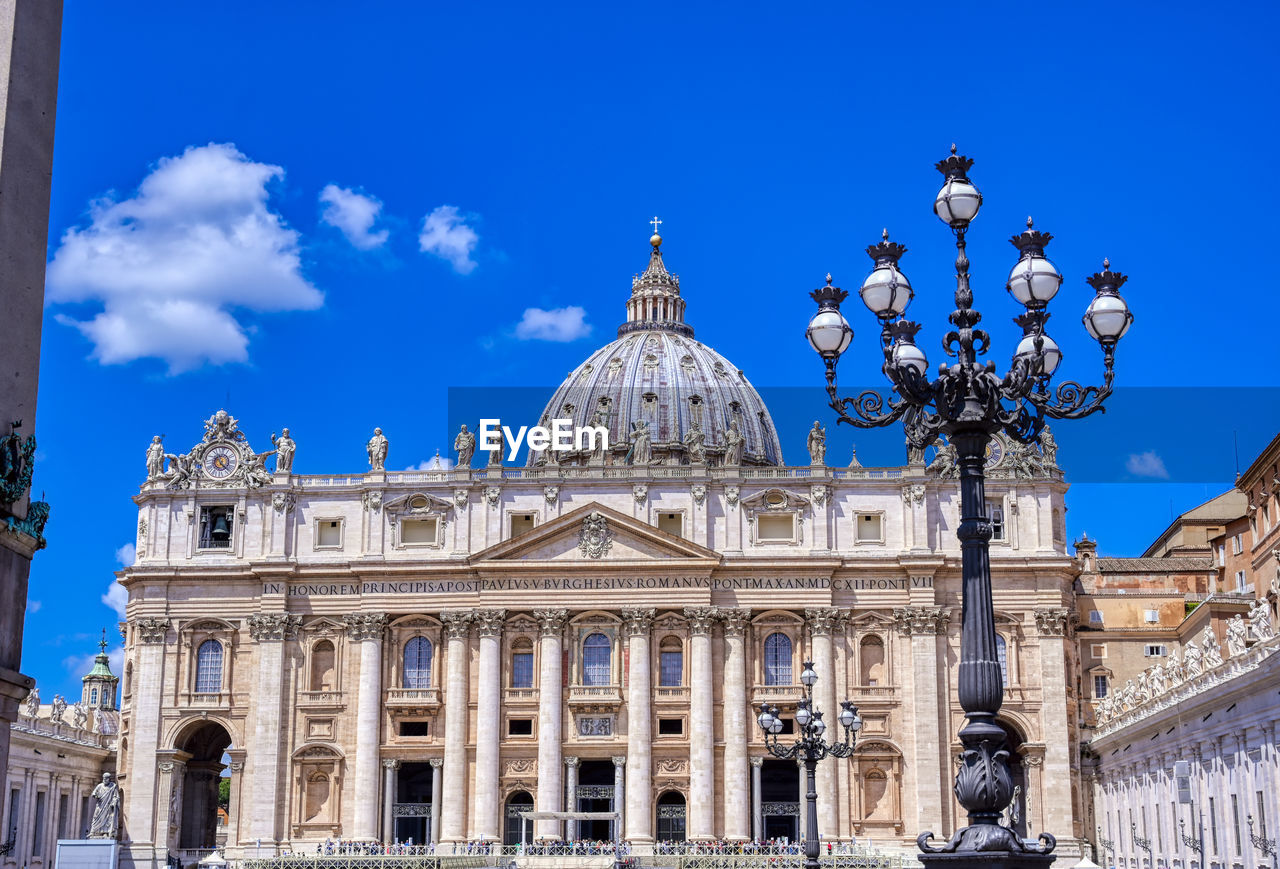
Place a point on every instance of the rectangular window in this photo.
(85, 818)
(329, 534)
(520, 727)
(1235, 821)
(1262, 816)
(1098, 650)
(522, 670)
(216, 527)
(670, 726)
(415, 728)
(870, 528)
(1213, 825)
(671, 669)
(37, 834)
(995, 512)
(1095, 617)
(671, 523)
(1099, 687)
(416, 532)
(776, 529)
(1154, 651)
(1159, 830)
(1237, 544)
(1222, 555)
(1242, 584)
(1151, 616)
(62, 815)
(521, 523)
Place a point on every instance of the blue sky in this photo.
(325, 219)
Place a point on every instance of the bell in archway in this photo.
(221, 530)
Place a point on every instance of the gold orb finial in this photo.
(655, 240)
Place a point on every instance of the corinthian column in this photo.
(821, 623)
(488, 720)
(389, 768)
(457, 626)
(571, 791)
(437, 796)
(639, 827)
(550, 710)
(737, 821)
(269, 631)
(702, 757)
(365, 629)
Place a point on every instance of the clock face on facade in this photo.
(995, 452)
(220, 462)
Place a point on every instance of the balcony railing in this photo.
(587, 694)
(413, 696)
(321, 698)
(674, 694)
(777, 695)
(874, 692)
(518, 695)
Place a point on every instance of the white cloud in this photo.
(558, 324)
(172, 263)
(1148, 464)
(33, 607)
(446, 235)
(127, 555)
(353, 213)
(78, 665)
(116, 597)
(437, 463)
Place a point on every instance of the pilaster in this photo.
(737, 806)
(637, 625)
(550, 719)
(457, 628)
(367, 630)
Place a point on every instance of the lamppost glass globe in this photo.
(1107, 318)
(1052, 354)
(847, 714)
(808, 676)
(819, 726)
(907, 355)
(765, 718)
(856, 724)
(886, 292)
(957, 202)
(775, 723)
(829, 333)
(803, 716)
(1034, 281)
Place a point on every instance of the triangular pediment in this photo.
(595, 534)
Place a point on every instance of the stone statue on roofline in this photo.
(1212, 650)
(285, 448)
(465, 445)
(1237, 636)
(377, 448)
(1194, 664)
(817, 443)
(734, 443)
(32, 704)
(1260, 622)
(155, 459)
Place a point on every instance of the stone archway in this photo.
(193, 795)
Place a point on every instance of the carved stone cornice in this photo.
(551, 622)
(489, 622)
(921, 620)
(638, 621)
(736, 620)
(457, 623)
(701, 618)
(151, 630)
(273, 626)
(1052, 621)
(822, 620)
(365, 626)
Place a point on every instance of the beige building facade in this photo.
(424, 654)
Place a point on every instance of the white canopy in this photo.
(569, 816)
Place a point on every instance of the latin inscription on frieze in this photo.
(595, 583)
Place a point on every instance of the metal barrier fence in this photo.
(765, 861)
(368, 861)
(863, 860)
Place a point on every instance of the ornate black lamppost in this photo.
(1191, 842)
(810, 747)
(1140, 841)
(1108, 847)
(1262, 843)
(968, 402)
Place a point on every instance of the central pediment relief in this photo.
(595, 534)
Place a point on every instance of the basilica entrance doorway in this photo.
(197, 796)
(412, 810)
(671, 817)
(780, 799)
(595, 794)
(514, 828)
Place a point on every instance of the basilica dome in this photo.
(656, 375)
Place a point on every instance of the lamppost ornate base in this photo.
(987, 845)
(986, 860)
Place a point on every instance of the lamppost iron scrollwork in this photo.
(1191, 842)
(1107, 846)
(1262, 843)
(969, 402)
(810, 747)
(1140, 841)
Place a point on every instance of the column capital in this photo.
(757, 762)
(151, 630)
(921, 619)
(700, 618)
(620, 760)
(638, 621)
(457, 623)
(273, 626)
(1052, 621)
(736, 620)
(570, 761)
(365, 626)
(391, 763)
(551, 622)
(436, 762)
(489, 622)
(822, 620)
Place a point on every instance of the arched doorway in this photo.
(780, 799)
(671, 817)
(513, 829)
(196, 795)
(1016, 814)
(595, 794)
(413, 809)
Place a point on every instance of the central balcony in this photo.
(405, 701)
(777, 695)
(601, 697)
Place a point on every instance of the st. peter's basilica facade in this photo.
(426, 654)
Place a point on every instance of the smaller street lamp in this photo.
(1140, 842)
(1262, 843)
(1191, 842)
(810, 746)
(1107, 846)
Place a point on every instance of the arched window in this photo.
(522, 664)
(670, 663)
(128, 678)
(777, 660)
(596, 651)
(322, 666)
(93, 696)
(417, 663)
(1003, 654)
(871, 660)
(209, 667)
